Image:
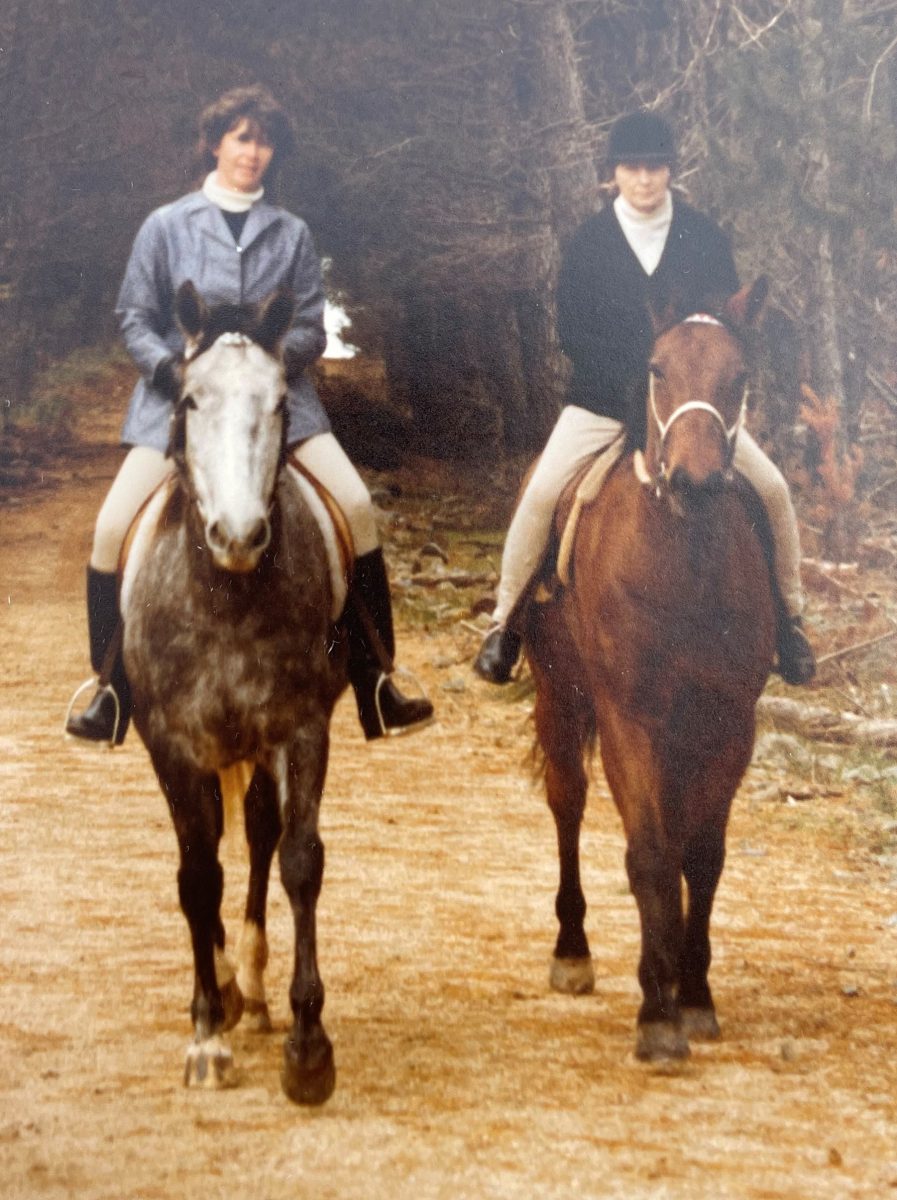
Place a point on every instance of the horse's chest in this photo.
(226, 672)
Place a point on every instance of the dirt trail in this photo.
(459, 1073)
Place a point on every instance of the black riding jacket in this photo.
(603, 299)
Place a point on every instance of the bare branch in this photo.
(870, 90)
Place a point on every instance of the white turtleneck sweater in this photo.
(646, 235)
(225, 198)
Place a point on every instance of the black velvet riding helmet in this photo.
(641, 137)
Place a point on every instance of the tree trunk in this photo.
(819, 21)
(561, 188)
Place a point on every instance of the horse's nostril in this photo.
(692, 491)
(261, 535)
(680, 482)
(214, 534)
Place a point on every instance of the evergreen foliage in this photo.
(446, 150)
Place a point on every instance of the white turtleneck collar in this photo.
(646, 235)
(225, 198)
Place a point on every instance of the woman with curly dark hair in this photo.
(236, 247)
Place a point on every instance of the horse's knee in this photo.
(302, 865)
(649, 865)
(200, 888)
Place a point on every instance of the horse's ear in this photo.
(744, 308)
(665, 310)
(275, 315)
(190, 309)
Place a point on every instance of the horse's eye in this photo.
(189, 403)
(655, 370)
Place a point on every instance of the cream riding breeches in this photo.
(769, 484)
(143, 469)
(575, 439)
(138, 476)
(325, 458)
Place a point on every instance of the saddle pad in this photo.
(334, 529)
(590, 484)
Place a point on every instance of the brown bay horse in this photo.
(660, 646)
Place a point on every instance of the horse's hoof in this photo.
(310, 1081)
(660, 1041)
(232, 999)
(575, 976)
(210, 1064)
(700, 1024)
(256, 1017)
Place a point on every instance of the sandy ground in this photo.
(459, 1073)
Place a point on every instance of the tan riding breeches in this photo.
(138, 477)
(575, 439)
(325, 458)
(144, 469)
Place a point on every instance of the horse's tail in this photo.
(235, 781)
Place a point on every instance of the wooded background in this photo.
(446, 149)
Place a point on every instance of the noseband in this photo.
(730, 432)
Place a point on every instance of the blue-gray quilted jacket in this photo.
(190, 239)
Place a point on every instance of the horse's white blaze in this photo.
(233, 445)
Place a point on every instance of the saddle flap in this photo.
(579, 493)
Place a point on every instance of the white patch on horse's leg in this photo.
(575, 976)
(252, 958)
(231, 994)
(659, 1041)
(210, 1064)
(224, 971)
(700, 1024)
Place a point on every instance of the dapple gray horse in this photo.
(228, 606)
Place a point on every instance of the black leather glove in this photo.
(167, 379)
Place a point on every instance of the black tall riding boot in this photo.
(797, 662)
(367, 620)
(107, 716)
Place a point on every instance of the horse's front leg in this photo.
(571, 967)
(195, 804)
(711, 792)
(563, 727)
(262, 835)
(702, 865)
(653, 865)
(308, 1074)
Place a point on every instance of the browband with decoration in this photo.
(230, 338)
(700, 318)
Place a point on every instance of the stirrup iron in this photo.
(93, 682)
(399, 730)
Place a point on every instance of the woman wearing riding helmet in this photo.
(236, 247)
(644, 246)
